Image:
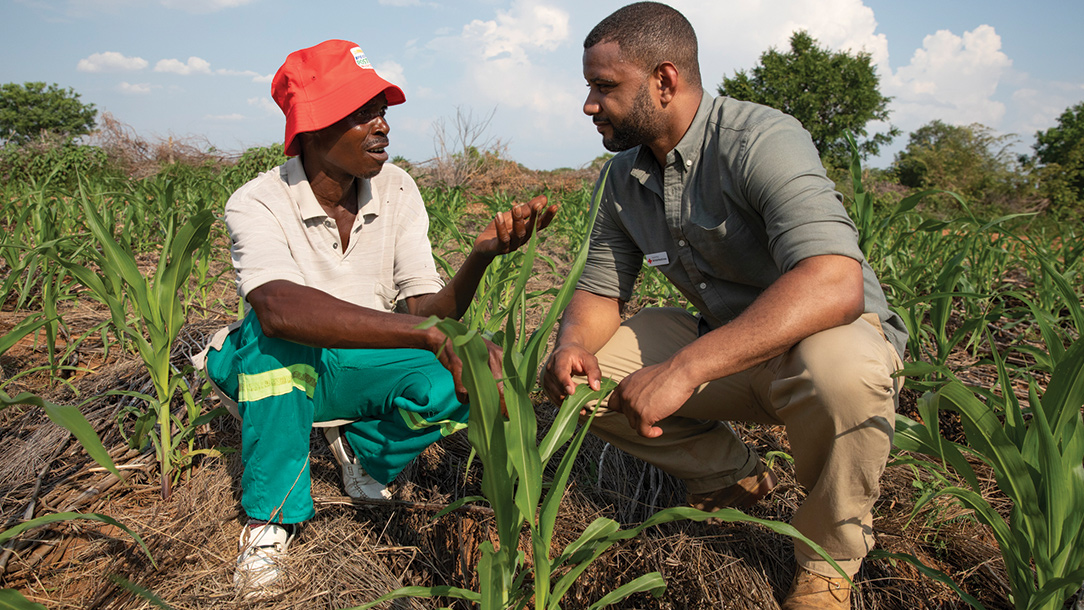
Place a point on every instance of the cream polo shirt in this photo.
(280, 232)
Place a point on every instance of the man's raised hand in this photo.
(510, 229)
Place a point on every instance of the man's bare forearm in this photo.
(507, 232)
(455, 298)
(589, 321)
(819, 293)
(313, 317)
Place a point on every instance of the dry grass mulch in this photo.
(353, 551)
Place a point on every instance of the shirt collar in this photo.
(687, 151)
(369, 200)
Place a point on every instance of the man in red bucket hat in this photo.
(335, 268)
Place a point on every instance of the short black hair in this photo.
(649, 33)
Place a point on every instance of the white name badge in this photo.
(656, 259)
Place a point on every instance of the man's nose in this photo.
(590, 105)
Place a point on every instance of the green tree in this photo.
(1059, 154)
(29, 109)
(970, 160)
(1056, 144)
(829, 92)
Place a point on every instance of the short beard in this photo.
(642, 125)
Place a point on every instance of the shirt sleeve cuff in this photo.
(250, 283)
(816, 239)
(418, 287)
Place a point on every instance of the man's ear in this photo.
(666, 74)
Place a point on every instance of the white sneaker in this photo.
(259, 564)
(356, 481)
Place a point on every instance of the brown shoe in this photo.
(811, 591)
(743, 494)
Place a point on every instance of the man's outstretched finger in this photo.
(504, 234)
(520, 215)
(546, 217)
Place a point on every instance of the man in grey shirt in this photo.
(730, 201)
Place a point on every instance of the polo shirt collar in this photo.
(686, 151)
(369, 202)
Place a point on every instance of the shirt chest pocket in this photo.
(732, 251)
(385, 296)
(373, 295)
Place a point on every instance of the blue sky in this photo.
(202, 68)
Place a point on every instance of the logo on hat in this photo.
(359, 57)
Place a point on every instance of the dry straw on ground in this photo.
(354, 551)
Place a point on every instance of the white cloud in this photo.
(203, 6)
(503, 59)
(255, 76)
(197, 65)
(1039, 109)
(527, 25)
(954, 78)
(400, 3)
(951, 78)
(732, 36)
(393, 73)
(1039, 106)
(194, 65)
(134, 88)
(110, 61)
(266, 104)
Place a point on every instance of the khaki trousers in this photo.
(835, 394)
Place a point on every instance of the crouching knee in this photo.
(848, 371)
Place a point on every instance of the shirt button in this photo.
(681, 242)
(703, 285)
(688, 162)
(336, 246)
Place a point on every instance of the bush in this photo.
(970, 160)
(252, 163)
(830, 92)
(1061, 150)
(54, 159)
(29, 110)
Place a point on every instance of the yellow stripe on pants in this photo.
(276, 383)
(415, 421)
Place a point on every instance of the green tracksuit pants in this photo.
(403, 400)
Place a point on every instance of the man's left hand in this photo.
(511, 229)
(649, 396)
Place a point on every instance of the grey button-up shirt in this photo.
(742, 199)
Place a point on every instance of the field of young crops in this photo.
(119, 478)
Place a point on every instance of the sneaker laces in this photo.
(261, 549)
(357, 482)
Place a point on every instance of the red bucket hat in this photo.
(320, 85)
